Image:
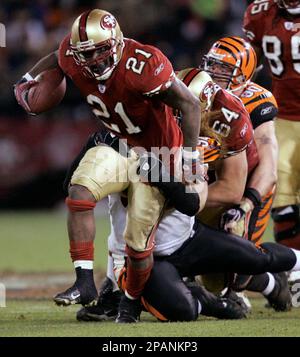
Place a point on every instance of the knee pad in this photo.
(79, 205)
(286, 222)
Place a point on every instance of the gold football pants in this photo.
(104, 171)
(288, 184)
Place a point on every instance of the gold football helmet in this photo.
(97, 43)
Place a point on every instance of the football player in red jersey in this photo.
(132, 89)
(273, 27)
(231, 62)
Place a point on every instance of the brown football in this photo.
(49, 91)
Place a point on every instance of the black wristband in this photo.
(253, 195)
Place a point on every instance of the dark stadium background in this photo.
(35, 151)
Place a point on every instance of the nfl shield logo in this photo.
(289, 25)
(101, 88)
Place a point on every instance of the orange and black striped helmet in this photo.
(231, 60)
(96, 43)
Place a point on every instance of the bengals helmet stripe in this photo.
(228, 49)
(236, 39)
(237, 59)
(235, 46)
(242, 44)
(82, 26)
(228, 43)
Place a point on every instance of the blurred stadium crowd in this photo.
(35, 151)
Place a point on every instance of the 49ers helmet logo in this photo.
(108, 22)
(207, 92)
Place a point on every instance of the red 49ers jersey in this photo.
(228, 116)
(126, 102)
(278, 34)
(234, 122)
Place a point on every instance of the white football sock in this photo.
(297, 265)
(270, 286)
(84, 264)
(110, 273)
(199, 307)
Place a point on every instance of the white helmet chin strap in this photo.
(106, 75)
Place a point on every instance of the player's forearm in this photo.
(178, 96)
(203, 194)
(223, 193)
(264, 176)
(48, 62)
(231, 174)
(191, 124)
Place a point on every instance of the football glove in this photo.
(236, 219)
(21, 89)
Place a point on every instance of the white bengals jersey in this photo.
(173, 230)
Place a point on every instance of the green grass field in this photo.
(37, 242)
(42, 318)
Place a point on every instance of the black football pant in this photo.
(208, 251)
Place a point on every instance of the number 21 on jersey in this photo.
(101, 112)
(100, 109)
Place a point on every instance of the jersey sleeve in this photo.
(253, 24)
(263, 113)
(65, 57)
(152, 73)
(241, 134)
